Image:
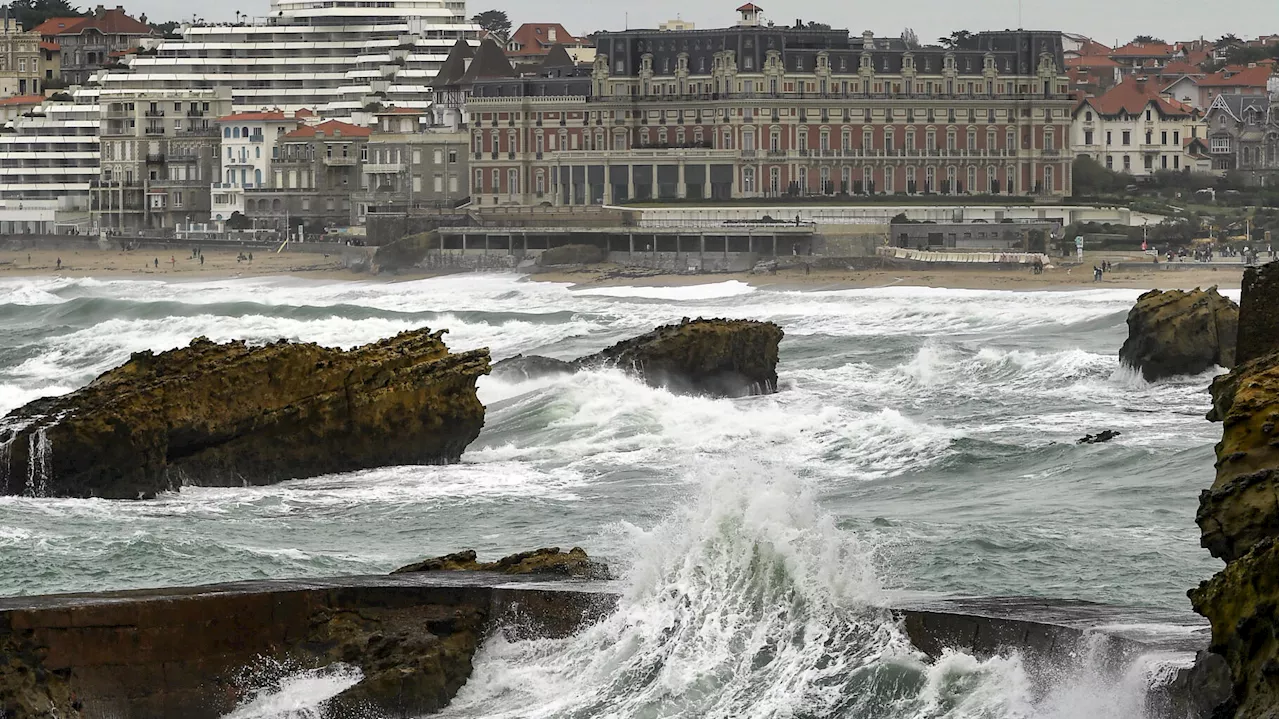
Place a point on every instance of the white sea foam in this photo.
(674, 293)
(298, 695)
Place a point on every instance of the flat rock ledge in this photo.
(232, 414)
(715, 357)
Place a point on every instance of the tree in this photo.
(817, 26)
(495, 22)
(167, 29)
(33, 12)
(910, 39)
(1228, 39)
(1147, 39)
(238, 221)
(956, 39)
(1090, 178)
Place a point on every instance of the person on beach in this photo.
(202, 259)
(157, 262)
(173, 262)
(59, 263)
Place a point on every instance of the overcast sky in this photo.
(1107, 21)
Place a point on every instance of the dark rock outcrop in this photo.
(1238, 515)
(1105, 435)
(231, 414)
(548, 560)
(572, 255)
(1174, 332)
(1258, 336)
(531, 366)
(406, 252)
(719, 357)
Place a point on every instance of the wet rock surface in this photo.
(548, 560)
(1174, 332)
(572, 255)
(1238, 513)
(232, 414)
(718, 357)
(406, 252)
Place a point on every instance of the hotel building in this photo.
(762, 111)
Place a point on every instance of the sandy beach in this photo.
(142, 264)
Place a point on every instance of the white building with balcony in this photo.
(1131, 128)
(337, 57)
(249, 142)
(50, 159)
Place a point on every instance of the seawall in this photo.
(182, 652)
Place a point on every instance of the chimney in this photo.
(1142, 84)
(99, 12)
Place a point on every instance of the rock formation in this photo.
(1238, 514)
(726, 358)
(231, 414)
(406, 252)
(549, 560)
(572, 255)
(1173, 332)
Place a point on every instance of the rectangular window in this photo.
(437, 183)
(417, 157)
(1164, 138)
(1175, 137)
(1124, 137)
(417, 183)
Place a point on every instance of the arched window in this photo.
(971, 182)
(775, 180)
(846, 178)
(802, 140)
(951, 180)
(257, 178)
(662, 136)
(910, 142)
(951, 139)
(749, 180)
(866, 139)
(931, 140)
(539, 183)
(257, 153)
(1048, 178)
(244, 132)
(824, 140)
(972, 140)
(911, 180)
(888, 181)
(226, 132)
(644, 136)
(236, 133)
(929, 179)
(846, 139)
(868, 181)
(993, 183)
(1009, 180)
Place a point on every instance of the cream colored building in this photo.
(1131, 128)
(21, 70)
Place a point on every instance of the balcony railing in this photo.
(382, 168)
(340, 161)
(154, 113)
(192, 112)
(155, 158)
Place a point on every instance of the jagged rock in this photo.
(230, 414)
(1105, 435)
(549, 560)
(572, 255)
(1173, 332)
(528, 367)
(406, 252)
(1238, 514)
(725, 358)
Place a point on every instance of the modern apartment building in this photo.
(761, 111)
(412, 166)
(47, 164)
(159, 155)
(337, 57)
(1132, 128)
(88, 44)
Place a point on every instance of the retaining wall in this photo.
(181, 652)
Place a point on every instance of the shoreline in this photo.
(221, 265)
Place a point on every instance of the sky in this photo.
(1106, 21)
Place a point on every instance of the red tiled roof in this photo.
(1093, 47)
(58, 25)
(750, 7)
(1181, 67)
(1091, 61)
(1131, 98)
(535, 38)
(23, 100)
(112, 22)
(1196, 57)
(1144, 49)
(52, 46)
(304, 112)
(1237, 76)
(405, 111)
(254, 116)
(331, 128)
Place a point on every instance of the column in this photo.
(631, 185)
(680, 186)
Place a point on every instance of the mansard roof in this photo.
(489, 62)
(455, 65)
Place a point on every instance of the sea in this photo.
(923, 440)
